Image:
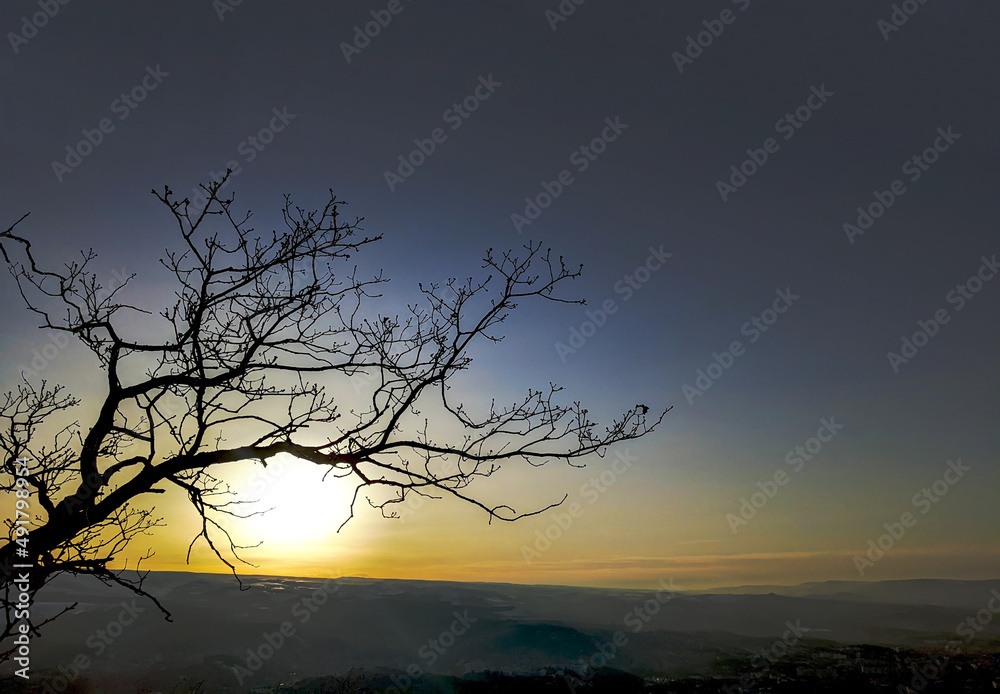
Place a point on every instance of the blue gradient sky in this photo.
(655, 185)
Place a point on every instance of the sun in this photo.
(300, 508)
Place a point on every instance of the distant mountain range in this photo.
(920, 591)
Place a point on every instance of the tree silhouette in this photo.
(263, 330)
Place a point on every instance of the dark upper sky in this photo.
(886, 93)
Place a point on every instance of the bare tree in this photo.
(263, 330)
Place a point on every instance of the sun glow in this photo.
(300, 508)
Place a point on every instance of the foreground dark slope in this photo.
(454, 628)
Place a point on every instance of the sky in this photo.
(705, 162)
